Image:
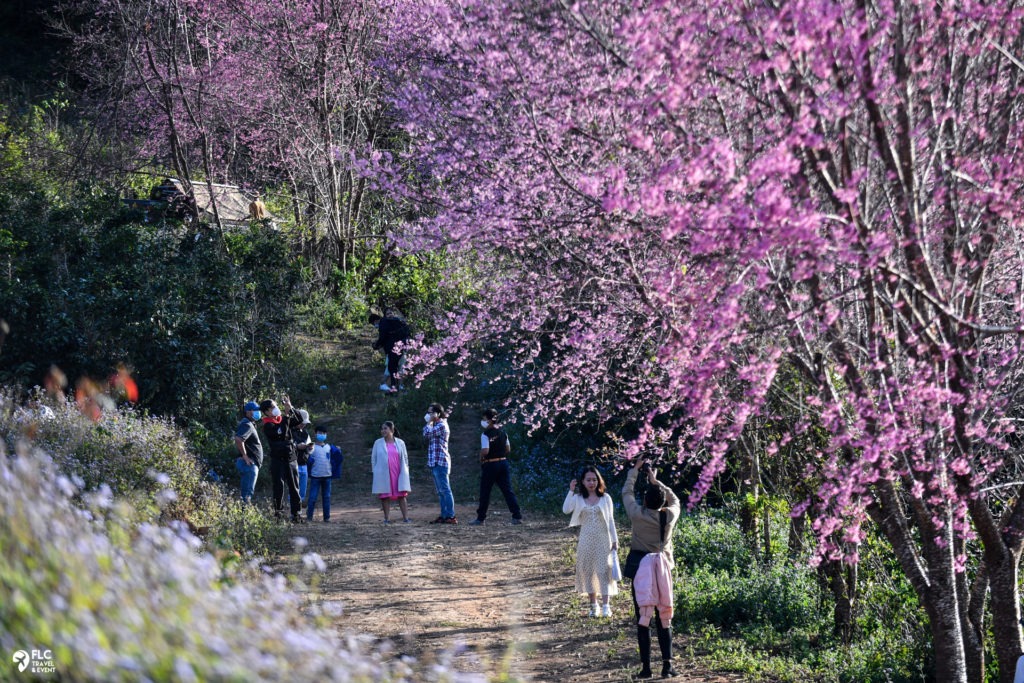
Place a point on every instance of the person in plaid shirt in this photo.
(439, 461)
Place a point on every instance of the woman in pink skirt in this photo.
(390, 462)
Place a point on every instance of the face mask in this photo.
(321, 437)
(484, 424)
(276, 412)
(428, 417)
(256, 414)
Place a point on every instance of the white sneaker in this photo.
(606, 611)
(595, 610)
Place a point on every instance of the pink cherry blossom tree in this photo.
(251, 91)
(317, 69)
(165, 74)
(672, 201)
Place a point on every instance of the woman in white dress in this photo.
(596, 553)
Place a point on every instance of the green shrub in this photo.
(773, 621)
(145, 463)
(115, 600)
(712, 541)
(780, 596)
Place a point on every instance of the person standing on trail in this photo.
(284, 468)
(250, 450)
(303, 445)
(494, 469)
(597, 549)
(439, 460)
(390, 462)
(323, 459)
(392, 333)
(649, 548)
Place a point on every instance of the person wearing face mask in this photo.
(278, 427)
(494, 469)
(597, 549)
(439, 461)
(303, 444)
(324, 459)
(250, 450)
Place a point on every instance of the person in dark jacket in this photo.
(392, 333)
(278, 427)
(494, 469)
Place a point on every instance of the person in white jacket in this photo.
(597, 549)
(390, 462)
(320, 473)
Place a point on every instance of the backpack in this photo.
(337, 458)
(497, 444)
(300, 438)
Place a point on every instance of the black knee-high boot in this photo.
(643, 637)
(665, 643)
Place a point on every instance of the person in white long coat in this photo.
(390, 462)
(597, 550)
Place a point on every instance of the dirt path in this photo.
(498, 598)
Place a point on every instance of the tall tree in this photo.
(262, 92)
(318, 68)
(167, 74)
(679, 197)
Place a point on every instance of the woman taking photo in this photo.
(390, 462)
(653, 524)
(596, 552)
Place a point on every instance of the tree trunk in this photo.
(1004, 581)
(749, 511)
(842, 582)
(947, 635)
(797, 526)
(931, 570)
(1003, 542)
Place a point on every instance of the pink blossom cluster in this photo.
(673, 203)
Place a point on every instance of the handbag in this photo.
(616, 573)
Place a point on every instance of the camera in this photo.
(646, 468)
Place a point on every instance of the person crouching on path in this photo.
(439, 460)
(494, 469)
(653, 524)
(250, 450)
(593, 512)
(390, 462)
(284, 468)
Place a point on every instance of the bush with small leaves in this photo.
(116, 600)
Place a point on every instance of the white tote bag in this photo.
(616, 573)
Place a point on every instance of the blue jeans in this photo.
(317, 484)
(303, 478)
(249, 474)
(444, 490)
